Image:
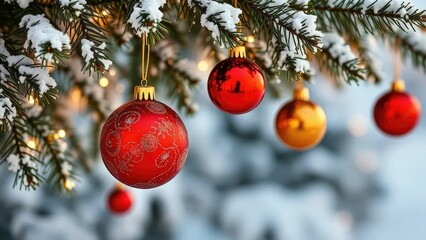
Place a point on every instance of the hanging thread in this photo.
(397, 61)
(145, 60)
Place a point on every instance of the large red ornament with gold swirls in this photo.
(144, 144)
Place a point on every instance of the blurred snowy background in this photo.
(240, 183)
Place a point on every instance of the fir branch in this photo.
(412, 47)
(368, 57)
(338, 58)
(197, 10)
(353, 15)
(278, 22)
(145, 22)
(349, 71)
(178, 72)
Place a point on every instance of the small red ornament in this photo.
(144, 143)
(397, 112)
(119, 199)
(236, 85)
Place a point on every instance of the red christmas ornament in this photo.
(397, 112)
(119, 200)
(144, 143)
(236, 85)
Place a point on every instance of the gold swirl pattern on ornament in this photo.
(168, 156)
(127, 119)
(135, 154)
(163, 128)
(113, 143)
(149, 142)
(156, 108)
(123, 165)
(111, 167)
(182, 159)
(144, 185)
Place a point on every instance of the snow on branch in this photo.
(370, 15)
(146, 16)
(413, 46)
(21, 3)
(26, 70)
(275, 18)
(49, 43)
(339, 59)
(31, 73)
(220, 19)
(7, 110)
(93, 56)
(73, 8)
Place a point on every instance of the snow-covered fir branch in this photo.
(179, 74)
(413, 46)
(370, 16)
(72, 8)
(7, 110)
(94, 57)
(25, 69)
(294, 29)
(146, 16)
(21, 3)
(369, 54)
(338, 58)
(221, 19)
(47, 41)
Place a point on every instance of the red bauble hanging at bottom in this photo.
(120, 200)
(236, 85)
(144, 143)
(397, 112)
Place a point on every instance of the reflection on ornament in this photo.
(397, 112)
(236, 85)
(144, 143)
(300, 123)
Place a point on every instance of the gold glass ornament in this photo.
(300, 123)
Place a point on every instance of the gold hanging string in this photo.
(145, 60)
(397, 60)
(300, 84)
(240, 25)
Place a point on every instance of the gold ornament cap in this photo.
(237, 52)
(144, 93)
(398, 85)
(301, 94)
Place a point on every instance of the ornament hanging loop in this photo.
(397, 60)
(145, 60)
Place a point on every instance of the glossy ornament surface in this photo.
(301, 124)
(236, 85)
(120, 200)
(397, 112)
(144, 143)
